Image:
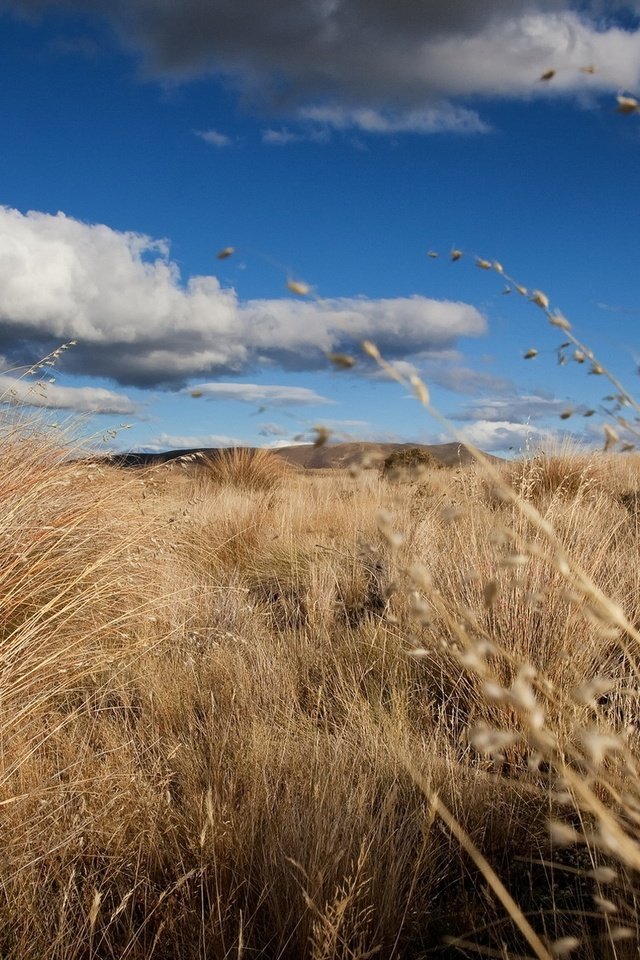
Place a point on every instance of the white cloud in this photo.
(214, 137)
(172, 441)
(441, 118)
(121, 296)
(491, 435)
(508, 58)
(518, 409)
(267, 394)
(83, 399)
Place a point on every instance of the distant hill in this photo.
(310, 457)
(342, 455)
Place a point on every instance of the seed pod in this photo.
(564, 946)
(420, 389)
(299, 287)
(558, 320)
(530, 354)
(611, 437)
(322, 435)
(225, 253)
(456, 254)
(562, 834)
(606, 906)
(490, 593)
(341, 360)
(540, 298)
(628, 104)
(370, 349)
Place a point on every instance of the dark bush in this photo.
(409, 463)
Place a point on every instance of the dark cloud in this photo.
(402, 59)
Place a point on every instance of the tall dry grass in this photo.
(228, 709)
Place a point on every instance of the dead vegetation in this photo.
(230, 698)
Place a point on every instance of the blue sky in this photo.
(335, 142)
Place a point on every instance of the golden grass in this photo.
(247, 468)
(300, 716)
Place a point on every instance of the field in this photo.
(249, 710)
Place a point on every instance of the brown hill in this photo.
(310, 457)
(342, 455)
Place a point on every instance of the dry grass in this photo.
(227, 707)
(247, 469)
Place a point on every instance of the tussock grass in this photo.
(247, 468)
(228, 705)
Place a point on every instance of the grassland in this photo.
(253, 711)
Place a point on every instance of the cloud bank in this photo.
(122, 298)
(380, 65)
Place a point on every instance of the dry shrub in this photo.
(410, 463)
(247, 468)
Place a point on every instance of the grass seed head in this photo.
(299, 287)
(627, 105)
(540, 298)
(564, 947)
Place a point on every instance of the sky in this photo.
(332, 144)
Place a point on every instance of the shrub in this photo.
(409, 463)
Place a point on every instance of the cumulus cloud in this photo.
(266, 394)
(492, 435)
(83, 399)
(121, 296)
(381, 65)
(214, 137)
